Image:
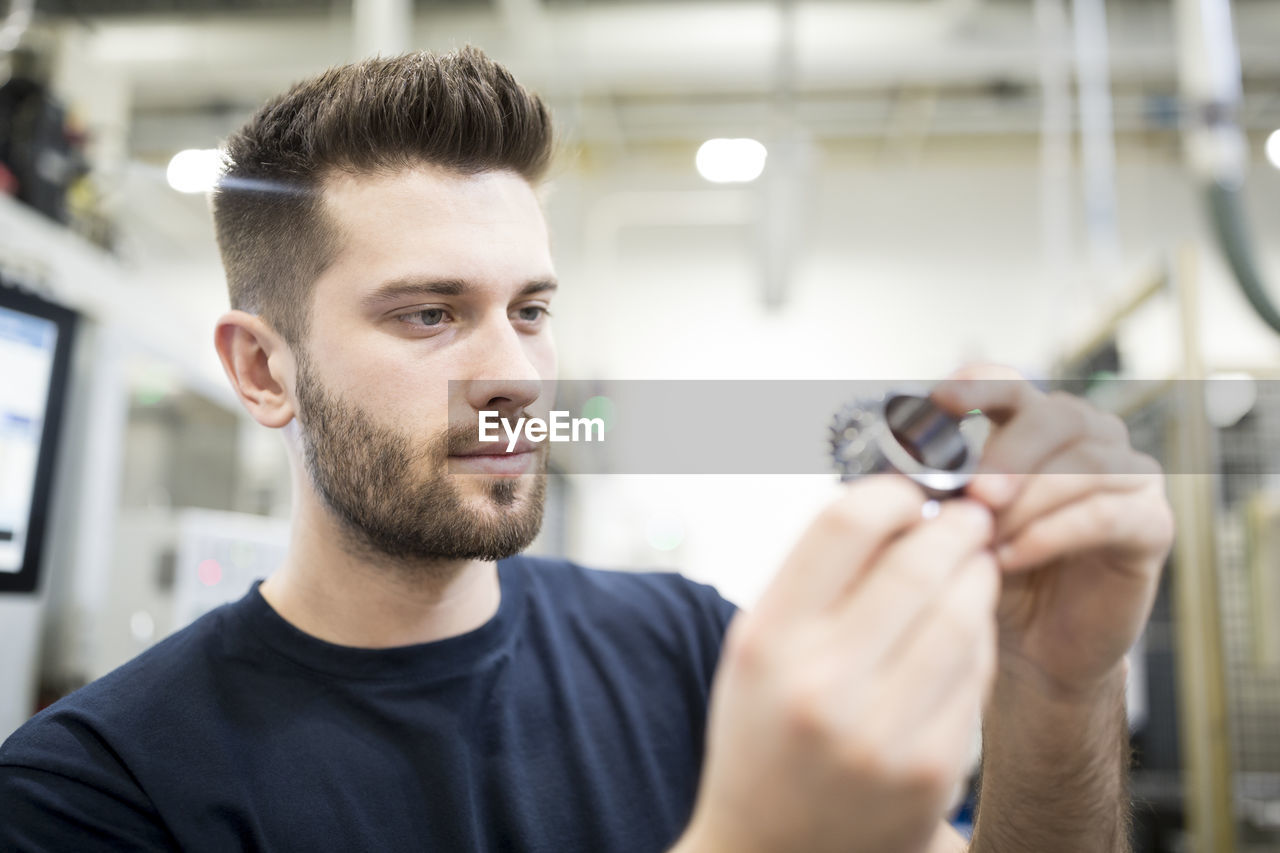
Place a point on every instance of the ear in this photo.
(260, 366)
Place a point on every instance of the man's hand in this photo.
(1082, 531)
(844, 710)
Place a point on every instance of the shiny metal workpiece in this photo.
(906, 433)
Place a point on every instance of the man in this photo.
(404, 681)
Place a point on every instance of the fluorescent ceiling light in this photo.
(195, 170)
(1273, 148)
(731, 161)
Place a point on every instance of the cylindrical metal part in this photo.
(930, 435)
(907, 434)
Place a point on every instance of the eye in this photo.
(532, 313)
(426, 317)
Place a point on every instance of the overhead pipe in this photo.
(1097, 134)
(1216, 149)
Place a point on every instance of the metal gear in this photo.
(903, 432)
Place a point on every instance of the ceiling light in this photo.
(1273, 148)
(195, 170)
(731, 161)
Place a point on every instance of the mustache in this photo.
(463, 437)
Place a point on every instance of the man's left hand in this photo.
(1083, 528)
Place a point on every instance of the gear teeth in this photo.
(856, 416)
(857, 434)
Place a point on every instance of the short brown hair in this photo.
(461, 111)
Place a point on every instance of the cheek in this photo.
(542, 355)
(410, 397)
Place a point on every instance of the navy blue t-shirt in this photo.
(573, 720)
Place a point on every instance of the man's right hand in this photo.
(845, 705)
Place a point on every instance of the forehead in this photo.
(427, 221)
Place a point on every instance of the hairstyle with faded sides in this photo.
(460, 111)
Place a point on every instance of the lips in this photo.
(493, 459)
(500, 464)
(498, 448)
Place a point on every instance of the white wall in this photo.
(908, 270)
(907, 267)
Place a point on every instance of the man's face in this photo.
(439, 277)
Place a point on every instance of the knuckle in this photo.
(1113, 425)
(929, 778)
(858, 758)
(806, 711)
(843, 518)
(745, 647)
(1091, 459)
(1105, 518)
(1145, 463)
(1069, 410)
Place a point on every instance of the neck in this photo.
(327, 590)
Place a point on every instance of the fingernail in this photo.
(1004, 554)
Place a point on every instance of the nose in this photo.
(504, 379)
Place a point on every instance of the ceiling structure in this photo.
(127, 8)
(631, 73)
(632, 79)
(633, 83)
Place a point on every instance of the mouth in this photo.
(497, 448)
(495, 460)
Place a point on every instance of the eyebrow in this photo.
(400, 288)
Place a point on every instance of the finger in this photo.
(1030, 439)
(1108, 427)
(1080, 470)
(985, 370)
(904, 718)
(838, 543)
(952, 651)
(909, 576)
(998, 392)
(1137, 521)
(950, 732)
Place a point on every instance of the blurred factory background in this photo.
(1022, 181)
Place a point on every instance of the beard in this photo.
(393, 493)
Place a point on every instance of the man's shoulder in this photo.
(144, 691)
(68, 773)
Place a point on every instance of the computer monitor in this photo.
(35, 348)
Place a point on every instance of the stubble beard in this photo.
(371, 478)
